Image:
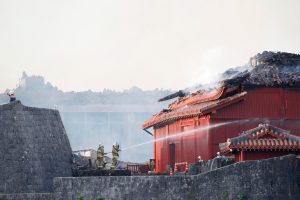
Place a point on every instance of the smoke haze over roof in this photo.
(94, 45)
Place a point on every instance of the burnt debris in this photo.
(179, 93)
(266, 69)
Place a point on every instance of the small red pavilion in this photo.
(263, 142)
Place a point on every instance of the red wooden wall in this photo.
(187, 147)
(276, 106)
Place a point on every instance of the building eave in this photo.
(194, 110)
(255, 140)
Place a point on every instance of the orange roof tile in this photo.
(255, 139)
(192, 110)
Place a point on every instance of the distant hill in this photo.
(34, 91)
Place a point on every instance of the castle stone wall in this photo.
(274, 179)
(34, 148)
(27, 196)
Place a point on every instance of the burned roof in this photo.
(267, 69)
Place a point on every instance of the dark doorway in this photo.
(172, 155)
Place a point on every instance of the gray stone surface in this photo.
(34, 148)
(27, 196)
(208, 165)
(271, 179)
(123, 187)
(274, 179)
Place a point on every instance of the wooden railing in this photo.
(138, 168)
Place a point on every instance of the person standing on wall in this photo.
(12, 96)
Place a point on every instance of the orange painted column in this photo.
(242, 155)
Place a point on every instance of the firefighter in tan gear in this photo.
(100, 156)
(115, 155)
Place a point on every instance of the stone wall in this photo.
(122, 187)
(265, 179)
(34, 148)
(27, 196)
(209, 165)
(274, 179)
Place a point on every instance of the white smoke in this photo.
(213, 63)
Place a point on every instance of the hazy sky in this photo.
(80, 45)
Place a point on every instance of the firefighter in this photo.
(152, 165)
(115, 155)
(12, 96)
(100, 156)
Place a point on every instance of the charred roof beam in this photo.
(148, 132)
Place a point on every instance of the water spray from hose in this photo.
(184, 133)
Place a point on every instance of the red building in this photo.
(196, 124)
(242, 111)
(263, 142)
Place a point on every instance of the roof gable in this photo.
(264, 136)
(193, 110)
(264, 131)
(202, 96)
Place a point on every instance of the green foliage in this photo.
(81, 198)
(225, 195)
(240, 197)
(98, 198)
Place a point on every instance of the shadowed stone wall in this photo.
(27, 196)
(274, 179)
(209, 165)
(34, 148)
